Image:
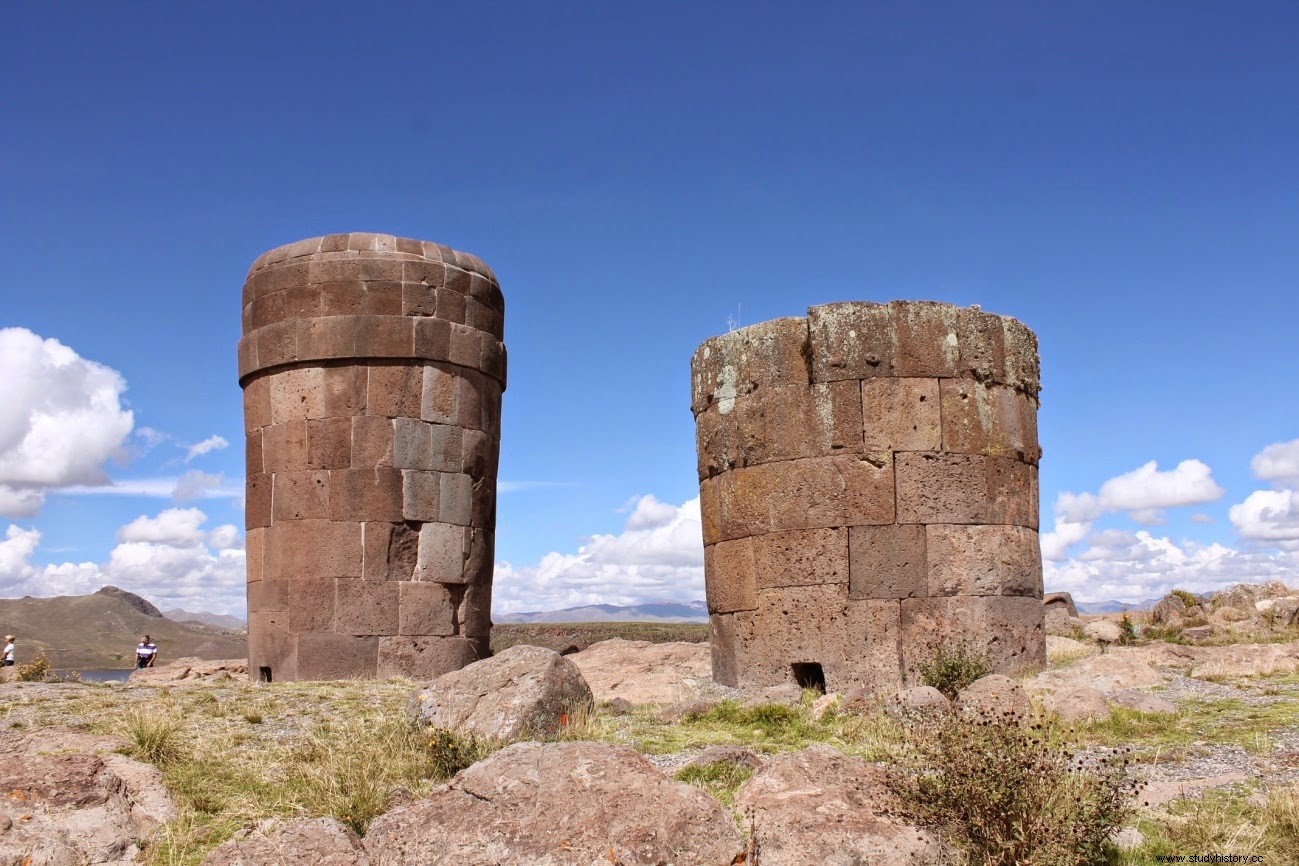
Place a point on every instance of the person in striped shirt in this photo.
(145, 653)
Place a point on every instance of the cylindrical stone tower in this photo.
(868, 489)
(372, 369)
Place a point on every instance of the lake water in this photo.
(104, 675)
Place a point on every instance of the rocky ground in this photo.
(191, 763)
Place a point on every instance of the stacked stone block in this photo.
(868, 492)
(372, 369)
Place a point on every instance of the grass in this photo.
(1222, 822)
(721, 779)
(580, 635)
(1228, 721)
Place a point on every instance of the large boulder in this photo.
(558, 804)
(307, 842)
(644, 673)
(1247, 660)
(524, 691)
(1111, 672)
(917, 699)
(995, 697)
(1059, 613)
(70, 799)
(821, 806)
(1081, 704)
(1103, 631)
(1169, 610)
(1061, 600)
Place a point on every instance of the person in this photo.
(145, 653)
(7, 660)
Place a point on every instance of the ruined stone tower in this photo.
(372, 369)
(868, 488)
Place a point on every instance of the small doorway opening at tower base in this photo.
(809, 675)
(264, 674)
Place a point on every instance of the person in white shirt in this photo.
(7, 659)
(145, 652)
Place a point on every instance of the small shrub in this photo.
(1011, 796)
(35, 671)
(156, 739)
(253, 718)
(451, 751)
(1127, 631)
(1189, 599)
(950, 670)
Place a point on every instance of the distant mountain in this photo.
(1114, 606)
(100, 630)
(220, 620)
(667, 611)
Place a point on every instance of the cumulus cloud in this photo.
(1056, 543)
(1278, 463)
(659, 556)
(211, 443)
(1144, 493)
(1268, 515)
(1135, 566)
(61, 419)
(167, 558)
(196, 485)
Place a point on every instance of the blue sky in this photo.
(1121, 177)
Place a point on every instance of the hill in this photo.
(100, 630)
(220, 620)
(689, 611)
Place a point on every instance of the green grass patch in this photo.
(721, 779)
(1224, 721)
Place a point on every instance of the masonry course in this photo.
(372, 369)
(868, 493)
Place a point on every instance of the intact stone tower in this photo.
(868, 489)
(372, 369)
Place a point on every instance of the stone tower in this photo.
(372, 369)
(868, 489)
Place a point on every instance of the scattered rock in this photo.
(1198, 632)
(918, 699)
(1082, 704)
(519, 692)
(1246, 660)
(1062, 600)
(608, 804)
(1285, 612)
(314, 842)
(995, 696)
(1229, 614)
(1142, 702)
(737, 755)
(789, 695)
(1114, 671)
(619, 706)
(1068, 649)
(71, 800)
(191, 669)
(862, 702)
(644, 673)
(1058, 611)
(825, 704)
(1167, 609)
(1103, 631)
(821, 800)
(1159, 793)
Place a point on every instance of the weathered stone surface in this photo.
(191, 669)
(918, 699)
(305, 842)
(1114, 671)
(1142, 702)
(995, 697)
(612, 806)
(837, 810)
(70, 800)
(983, 560)
(643, 672)
(892, 447)
(737, 755)
(1079, 704)
(1103, 631)
(1008, 629)
(521, 691)
(1060, 599)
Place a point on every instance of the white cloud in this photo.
(1201, 518)
(659, 556)
(1056, 543)
(211, 443)
(1144, 493)
(61, 418)
(1132, 567)
(169, 559)
(1278, 463)
(196, 485)
(175, 526)
(1267, 515)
